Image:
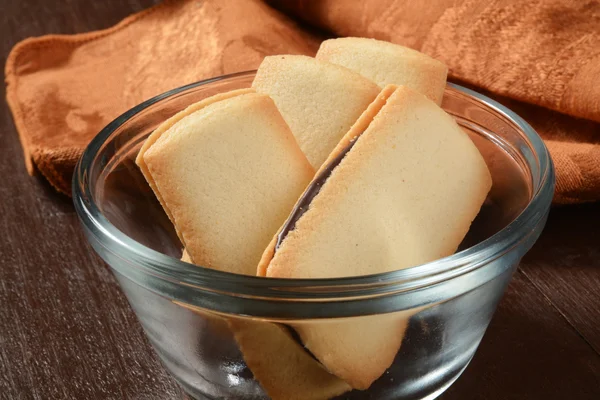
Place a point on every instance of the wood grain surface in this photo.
(67, 332)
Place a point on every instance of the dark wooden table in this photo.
(67, 332)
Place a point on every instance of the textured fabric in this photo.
(542, 52)
(63, 89)
(540, 58)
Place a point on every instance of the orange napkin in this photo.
(63, 89)
(540, 58)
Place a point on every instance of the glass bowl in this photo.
(212, 329)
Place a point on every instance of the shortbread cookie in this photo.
(400, 189)
(358, 350)
(318, 100)
(227, 171)
(281, 365)
(387, 63)
(153, 137)
(284, 369)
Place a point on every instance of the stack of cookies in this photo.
(334, 166)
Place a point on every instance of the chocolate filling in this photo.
(310, 193)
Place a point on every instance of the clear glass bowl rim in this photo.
(189, 277)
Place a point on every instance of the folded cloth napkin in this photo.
(63, 89)
(540, 58)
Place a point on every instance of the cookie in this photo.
(357, 350)
(318, 100)
(400, 189)
(153, 137)
(281, 365)
(387, 63)
(284, 369)
(226, 170)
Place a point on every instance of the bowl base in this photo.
(188, 393)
